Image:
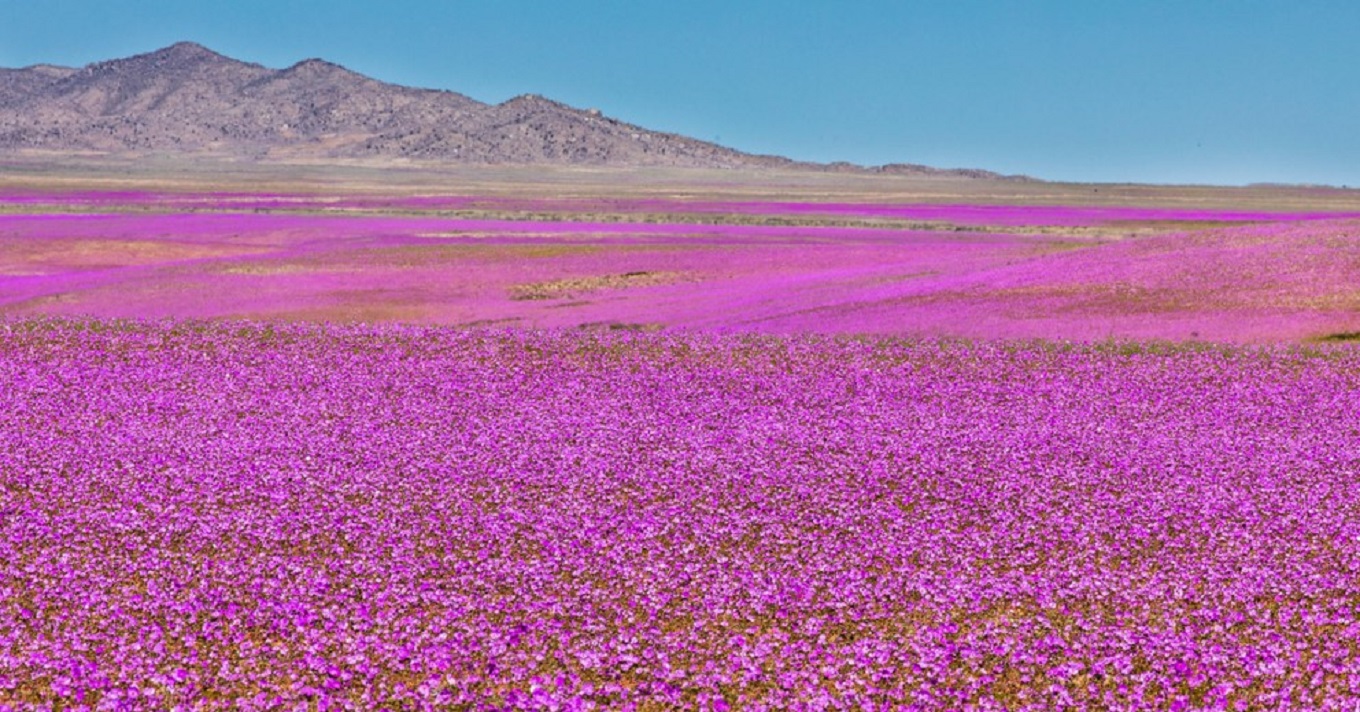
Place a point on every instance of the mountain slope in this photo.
(188, 99)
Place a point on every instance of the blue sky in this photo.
(1180, 91)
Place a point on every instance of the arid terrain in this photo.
(318, 394)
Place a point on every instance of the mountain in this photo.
(188, 99)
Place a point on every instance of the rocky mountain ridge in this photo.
(187, 99)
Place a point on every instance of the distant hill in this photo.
(188, 99)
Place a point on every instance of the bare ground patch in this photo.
(571, 287)
(42, 257)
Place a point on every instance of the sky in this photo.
(1160, 91)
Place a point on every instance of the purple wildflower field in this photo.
(326, 456)
(973, 271)
(352, 517)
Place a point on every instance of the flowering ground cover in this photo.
(290, 516)
(206, 265)
(1019, 272)
(671, 485)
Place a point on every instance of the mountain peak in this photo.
(535, 102)
(316, 67)
(46, 70)
(178, 56)
(315, 63)
(186, 52)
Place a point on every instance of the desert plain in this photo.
(346, 436)
(767, 252)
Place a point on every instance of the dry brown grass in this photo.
(50, 171)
